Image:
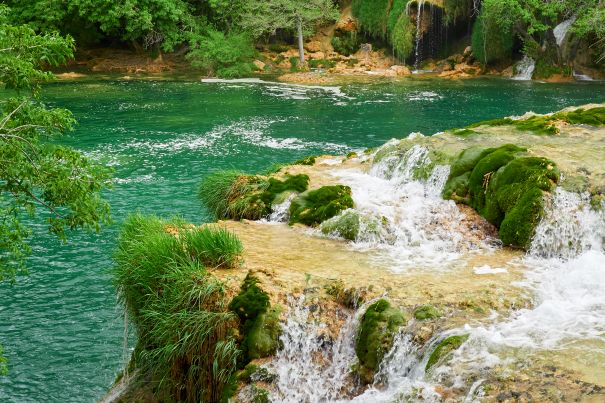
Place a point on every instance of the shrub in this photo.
(178, 309)
(372, 15)
(346, 43)
(225, 55)
(491, 43)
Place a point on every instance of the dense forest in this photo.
(224, 37)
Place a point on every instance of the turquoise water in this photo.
(61, 327)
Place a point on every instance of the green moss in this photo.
(234, 195)
(505, 186)
(545, 69)
(444, 348)
(255, 373)
(261, 328)
(463, 132)
(315, 206)
(345, 225)
(378, 328)
(352, 154)
(310, 160)
(425, 312)
(592, 117)
(260, 395)
(262, 335)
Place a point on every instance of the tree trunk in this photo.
(301, 48)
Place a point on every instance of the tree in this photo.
(265, 17)
(35, 173)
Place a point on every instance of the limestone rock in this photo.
(313, 46)
(401, 70)
(259, 65)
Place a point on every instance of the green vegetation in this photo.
(378, 328)
(545, 69)
(213, 247)
(260, 322)
(313, 207)
(184, 345)
(234, 195)
(544, 124)
(444, 348)
(36, 174)
(325, 63)
(310, 160)
(225, 55)
(372, 15)
(402, 37)
(490, 43)
(505, 186)
(255, 373)
(346, 43)
(425, 312)
(349, 224)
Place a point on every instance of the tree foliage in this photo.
(34, 173)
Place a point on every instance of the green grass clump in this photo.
(425, 312)
(378, 328)
(184, 348)
(505, 186)
(234, 195)
(260, 322)
(325, 63)
(213, 247)
(445, 347)
(313, 207)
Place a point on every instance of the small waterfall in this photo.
(561, 30)
(569, 227)
(309, 369)
(280, 211)
(418, 56)
(582, 77)
(416, 227)
(525, 69)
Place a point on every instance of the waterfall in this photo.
(281, 211)
(561, 30)
(310, 368)
(525, 69)
(414, 226)
(420, 4)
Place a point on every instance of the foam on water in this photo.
(420, 229)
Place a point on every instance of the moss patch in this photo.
(260, 322)
(544, 125)
(425, 312)
(378, 327)
(234, 195)
(505, 186)
(446, 346)
(315, 206)
(310, 160)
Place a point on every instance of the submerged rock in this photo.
(377, 330)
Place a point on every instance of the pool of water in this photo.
(60, 325)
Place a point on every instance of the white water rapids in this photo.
(566, 277)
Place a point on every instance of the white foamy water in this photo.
(309, 369)
(560, 31)
(419, 228)
(525, 69)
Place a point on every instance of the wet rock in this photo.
(378, 328)
(443, 349)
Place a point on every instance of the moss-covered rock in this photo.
(260, 322)
(352, 225)
(378, 328)
(234, 195)
(506, 186)
(315, 206)
(425, 312)
(444, 348)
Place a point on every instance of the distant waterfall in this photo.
(429, 30)
(562, 29)
(525, 69)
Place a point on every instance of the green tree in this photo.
(34, 173)
(265, 17)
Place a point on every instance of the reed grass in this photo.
(184, 328)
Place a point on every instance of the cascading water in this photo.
(562, 29)
(308, 369)
(416, 227)
(419, 34)
(525, 69)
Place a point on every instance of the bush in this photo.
(372, 15)
(294, 61)
(178, 310)
(225, 55)
(491, 43)
(346, 43)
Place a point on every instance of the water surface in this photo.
(61, 327)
